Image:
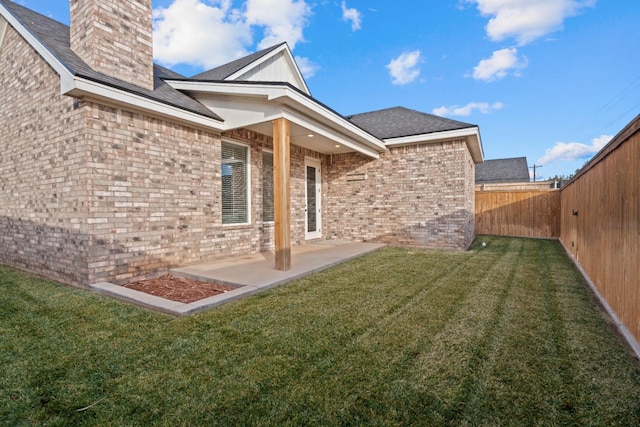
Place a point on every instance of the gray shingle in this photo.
(400, 122)
(54, 36)
(224, 71)
(513, 169)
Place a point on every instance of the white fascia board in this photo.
(265, 58)
(240, 113)
(314, 127)
(255, 63)
(3, 29)
(471, 135)
(324, 115)
(285, 96)
(66, 77)
(83, 87)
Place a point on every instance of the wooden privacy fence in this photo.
(600, 223)
(596, 215)
(524, 213)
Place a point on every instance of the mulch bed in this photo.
(178, 288)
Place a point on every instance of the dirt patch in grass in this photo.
(178, 288)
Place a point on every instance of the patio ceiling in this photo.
(255, 106)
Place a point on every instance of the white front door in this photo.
(313, 209)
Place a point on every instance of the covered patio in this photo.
(247, 274)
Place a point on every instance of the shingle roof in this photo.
(400, 122)
(503, 170)
(224, 71)
(54, 36)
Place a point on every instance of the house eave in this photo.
(471, 135)
(82, 88)
(290, 103)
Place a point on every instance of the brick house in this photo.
(112, 167)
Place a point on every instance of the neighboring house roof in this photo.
(400, 122)
(54, 37)
(503, 170)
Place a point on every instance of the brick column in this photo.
(282, 193)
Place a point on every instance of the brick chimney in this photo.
(115, 37)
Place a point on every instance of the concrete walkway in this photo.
(247, 274)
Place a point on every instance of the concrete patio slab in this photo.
(246, 274)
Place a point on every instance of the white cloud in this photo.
(306, 66)
(404, 69)
(499, 65)
(352, 15)
(570, 151)
(282, 20)
(190, 31)
(207, 33)
(455, 110)
(527, 20)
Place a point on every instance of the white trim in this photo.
(301, 109)
(78, 87)
(65, 74)
(248, 180)
(3, 29)
(475, 145)
(83, 87)
(317, 164)
(289, 58)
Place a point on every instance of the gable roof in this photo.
(54, 37)
(226, 70)
(274, 65)
(398, 122)
(513, 169)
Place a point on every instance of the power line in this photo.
(626, 91)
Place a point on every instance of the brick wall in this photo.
(42, 168)
(418, 195)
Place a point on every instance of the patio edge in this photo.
(166, 306)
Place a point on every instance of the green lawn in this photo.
(506, 334)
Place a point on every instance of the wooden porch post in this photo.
(282, 193)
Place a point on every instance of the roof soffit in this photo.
(250, 105)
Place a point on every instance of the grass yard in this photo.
(505, 334)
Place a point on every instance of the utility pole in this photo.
(534, 170)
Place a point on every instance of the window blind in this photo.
(267, 186)
(235, 203)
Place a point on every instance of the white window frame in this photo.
(263, 192)
(247, 181)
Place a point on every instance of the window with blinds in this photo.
(267, 186)
(235, 180)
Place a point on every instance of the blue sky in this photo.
(552, 80)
